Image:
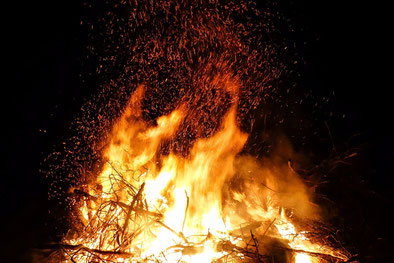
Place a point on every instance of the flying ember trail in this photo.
(172, 179)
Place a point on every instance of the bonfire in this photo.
(180, 186)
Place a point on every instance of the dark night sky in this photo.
(345, 51)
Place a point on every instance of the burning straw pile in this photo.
(176, 183)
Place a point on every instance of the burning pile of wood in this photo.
(176, 185)
(211, 206)
(105, 236)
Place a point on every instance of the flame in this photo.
(193, 183)
(178, 187)
(182, 199)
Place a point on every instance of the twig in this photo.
(314, 254)
(131, 208)
(187, 206)
(265, 232)
(172, 230)
(269, 188)
(256, 244)
(136, 209)
(90, 250)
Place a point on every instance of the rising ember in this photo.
(176, 182)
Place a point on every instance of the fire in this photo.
(186, 190)
(148, 207)
(178, 186)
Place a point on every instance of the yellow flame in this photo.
(188, 193)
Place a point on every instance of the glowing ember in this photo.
(177, 187)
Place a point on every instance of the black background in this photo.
(346, 51)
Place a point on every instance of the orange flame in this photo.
(193, 206)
